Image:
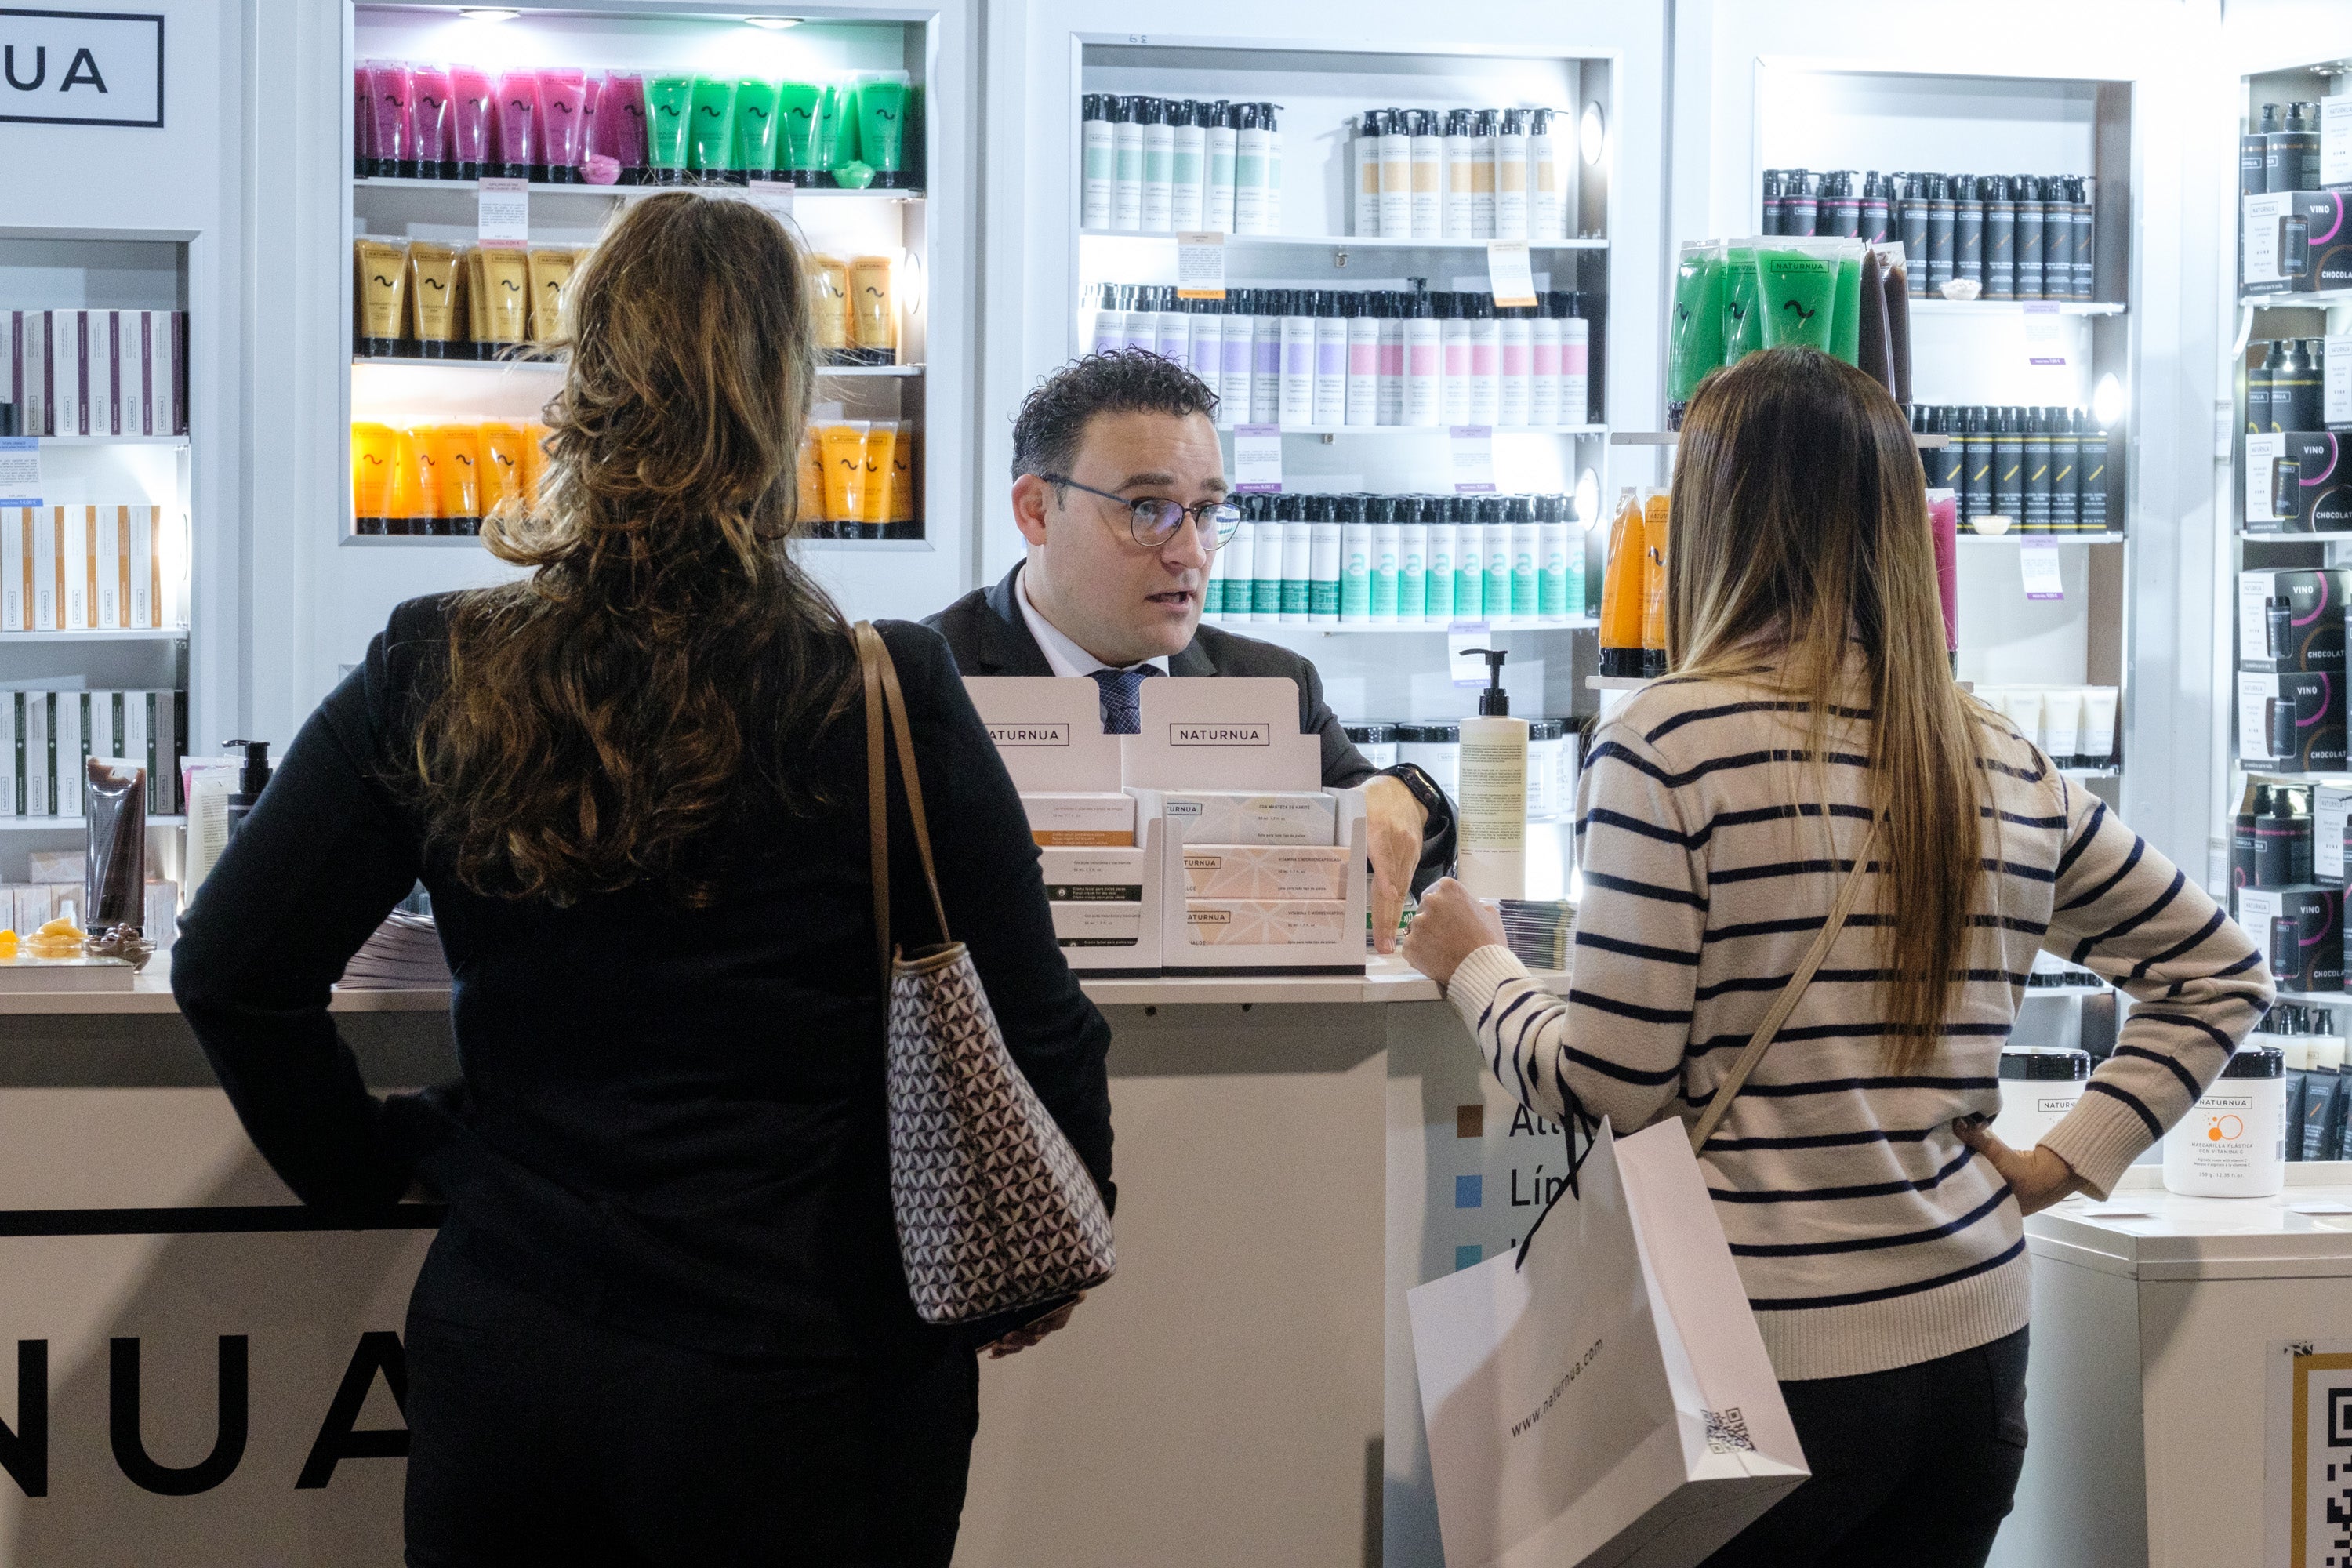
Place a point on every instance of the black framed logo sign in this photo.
(81, 68)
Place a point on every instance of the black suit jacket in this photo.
(988, 635)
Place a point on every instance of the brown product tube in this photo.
(114, 869)
(1622, 588)
(434, 291)
(1871, 355)
(382, 293)
(1894, 283)
(478, 304)
(829, 283)
(1653, 583)
(549, 271)
(506, 277)
(872, 315)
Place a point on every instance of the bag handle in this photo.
(1791, 993)
(883, 692)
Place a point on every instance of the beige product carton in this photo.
(1265, 871)
(1268, 922)
(1237, 817)
(1098, 923)
(1093, 876)
(1087, 821)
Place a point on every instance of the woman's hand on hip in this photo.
(2037, 1178)
(1450, 926)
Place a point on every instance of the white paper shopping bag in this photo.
(1602, 1397)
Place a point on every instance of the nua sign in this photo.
(81, 68)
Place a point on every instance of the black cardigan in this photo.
(671, 1119)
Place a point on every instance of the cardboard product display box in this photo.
(2292, 621)
(2297, 482)
(2301, 933)
(1265, 871)
(2293, 242)
(1268, 922)
(2293, 721)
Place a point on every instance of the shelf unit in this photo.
(841, 223)
(1339, 242)
(1258, 628)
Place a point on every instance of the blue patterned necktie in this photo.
(1122, 707)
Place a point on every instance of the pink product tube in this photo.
(592, 100)
(562, 97)
(515, 146)
(1944, 523)
(429, 112)
(362, 124)
(395, 154)
(621, 123)
(469, 119)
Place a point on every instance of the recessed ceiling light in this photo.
(774, 24)
(489, 13)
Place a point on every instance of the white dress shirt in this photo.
(1066, 657)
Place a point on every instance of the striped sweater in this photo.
(1867, 1235)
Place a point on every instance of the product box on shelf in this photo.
(2296, 483)
(1220, 763)
(1106, 898)
(2301, 930)
(1090, 819)
(2293, 242)
(1265, 871)
(2291, 619)
(97, 372)
(2294, 722)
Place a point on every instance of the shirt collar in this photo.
(1066, 657)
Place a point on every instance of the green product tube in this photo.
(669, 102)
(839, 139)
(1846, 334)
(801, 106)
(1697, 344)
(1799, 292)
(1743, 323)
(882, 105)
(711, 129)
(755, 127)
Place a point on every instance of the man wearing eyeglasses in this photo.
(1120, 488)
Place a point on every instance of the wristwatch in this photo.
(1424, 788)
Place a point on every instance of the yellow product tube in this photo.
(829, 287)
(549, 271)
(902, 473)
(478, 303)
(381, 292)
(375, 448)
(1622, 587)
(412, 489)
(505, 278)
(1653, 584)
(434, 299)
(873, 316)
(809, 503)
(881, 448)
(455, 452)
(500, 457)
(842, 443)
(534, 462)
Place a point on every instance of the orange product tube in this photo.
(455, 454)
(1622, 588)
(1654, 584)
(534, 462)
(902, 474)
(374, 453)
(499, 460)
(412, 490)
(842, 443)
(881, 473)
(809, 504)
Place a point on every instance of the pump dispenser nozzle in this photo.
(250, 780)
(1494, 700)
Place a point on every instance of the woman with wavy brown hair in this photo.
(665, 1320)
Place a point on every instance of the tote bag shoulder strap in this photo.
(882, 692)
(1790, 994)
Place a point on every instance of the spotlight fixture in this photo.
(773, 24)
(1593, 134)
(489, 13)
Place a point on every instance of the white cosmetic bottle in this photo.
(1127, 165)
(2232, 1142)
(1364, 150)
(1396, 174)
(1424, 356)
(1223, 121)
(1101, 155)
(1188, 186)
(1491, 812)
(1158, 167)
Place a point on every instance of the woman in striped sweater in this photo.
(1811, 719)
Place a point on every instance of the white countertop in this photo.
(2142, 1231)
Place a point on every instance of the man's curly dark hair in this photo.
(1051, 421)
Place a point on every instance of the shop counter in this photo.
(1293, 1153)
(2190, 1388)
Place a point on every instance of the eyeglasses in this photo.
(1154, 523)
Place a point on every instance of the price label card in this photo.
(1199, 267)
(2045, 337)
(2040, 564)
(1473, 450)
(20, 470)
(1257, 459)
(1460, 639)
(1510, 272)
(503, 213)
(2336, 140)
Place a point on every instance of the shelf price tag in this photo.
(1471, 448)
(1257, 459)
(1199, 267)
(2045, 340)
(20, 470)
(502, 214)
(2039, 563)
(1511, 272)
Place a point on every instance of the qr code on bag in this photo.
(1726, 1431)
